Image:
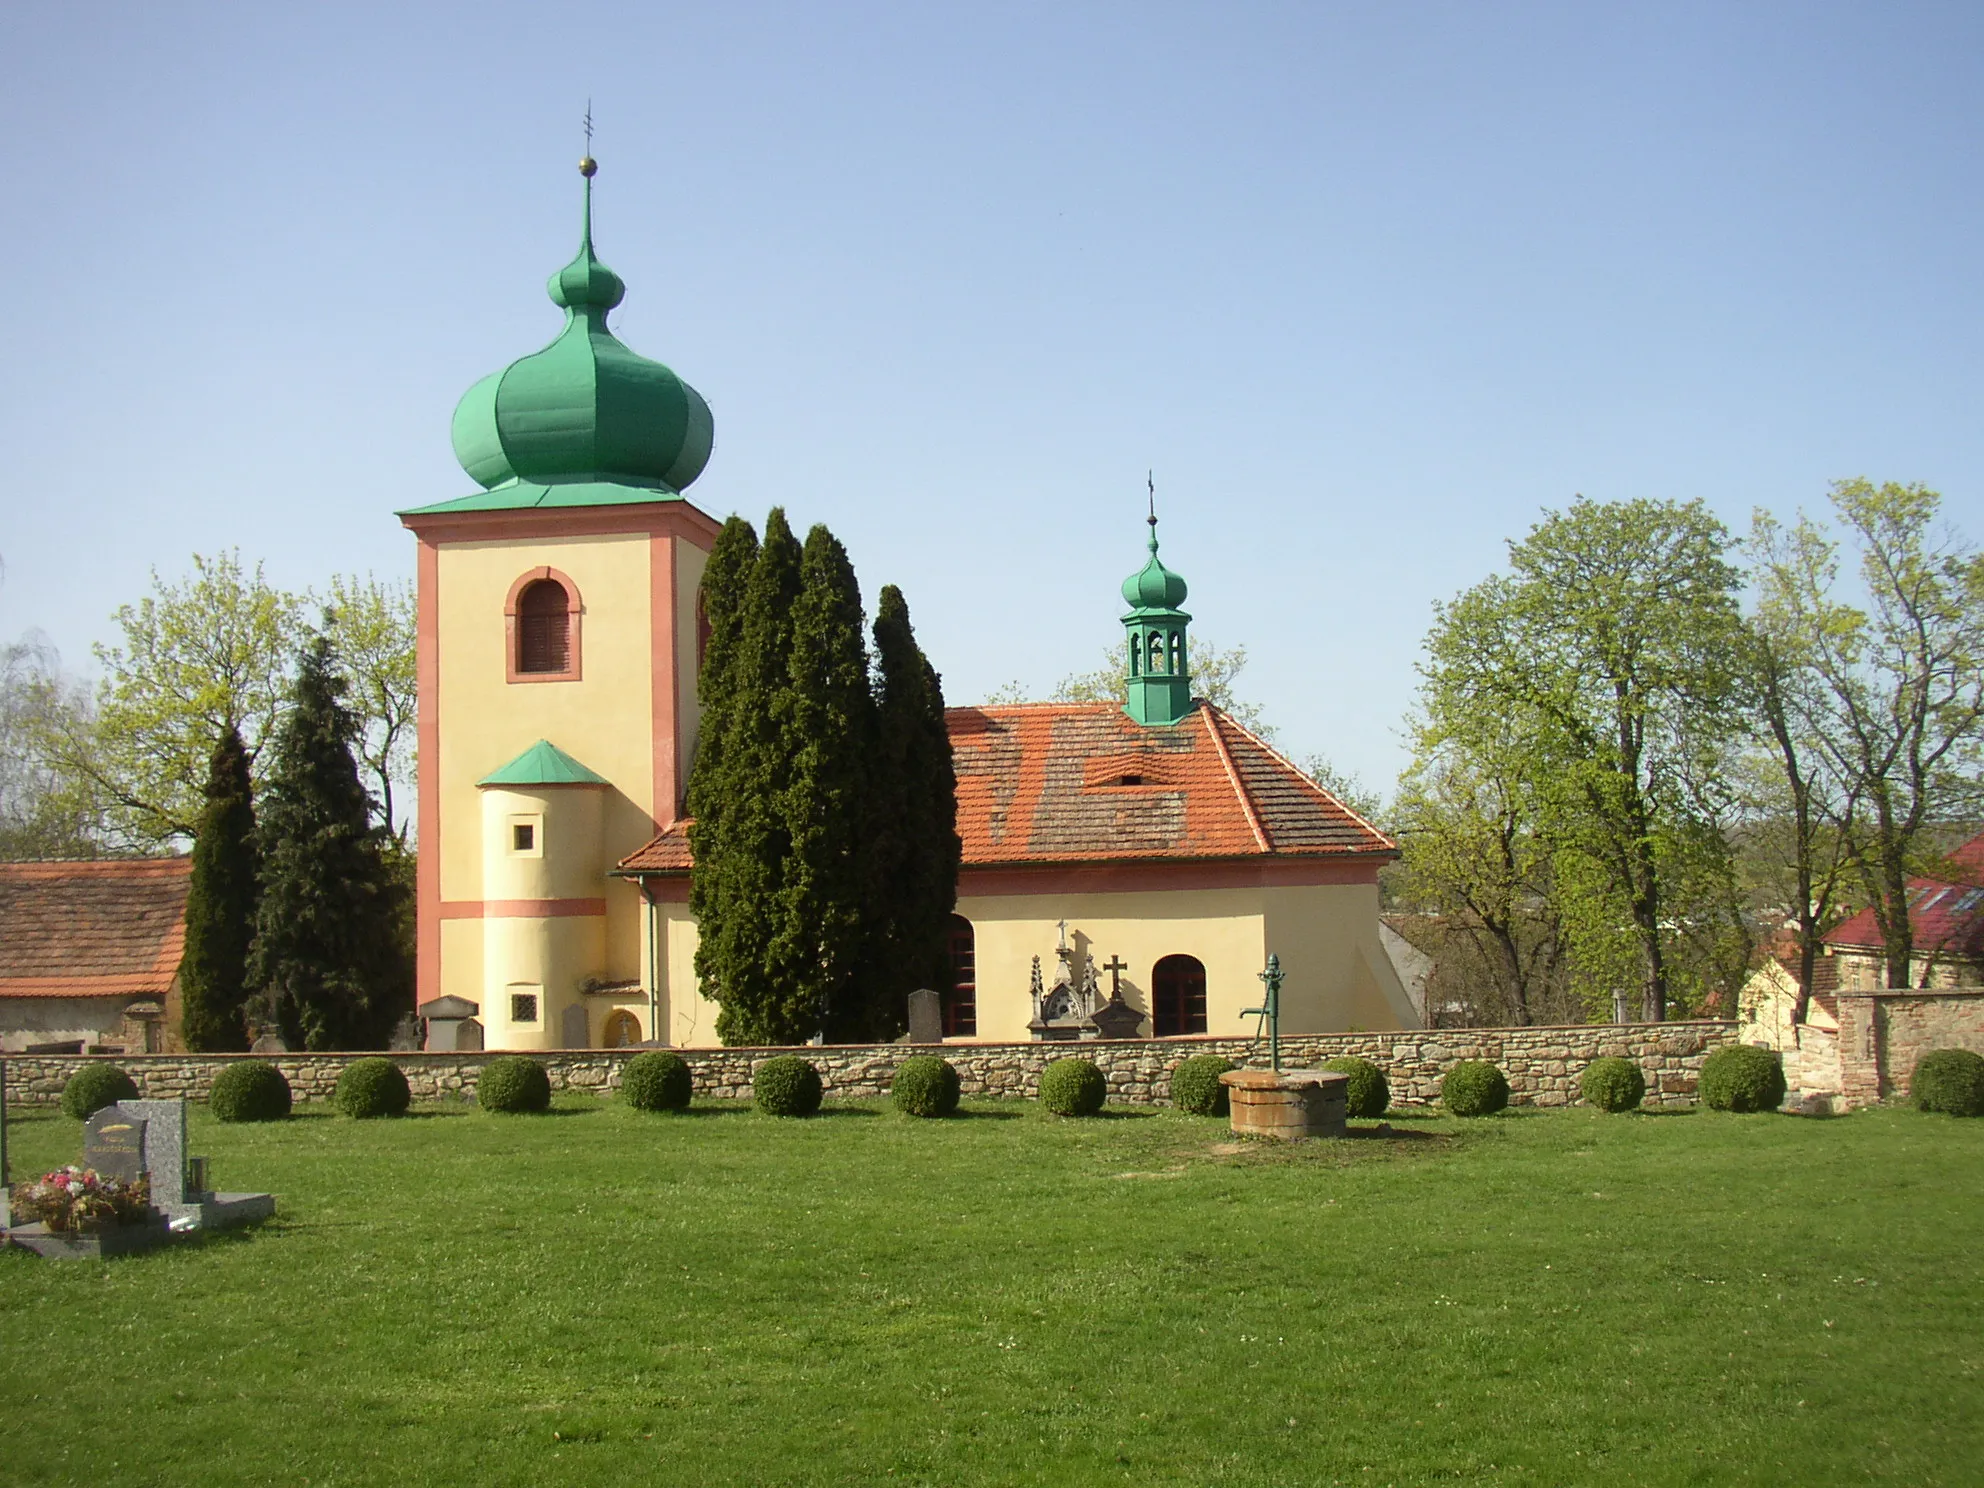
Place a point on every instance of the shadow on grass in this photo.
(839, 1111)
(1122, 1113)
(1665, 1111)
(1388, 1134)
(966, 1114)
(434, 1113)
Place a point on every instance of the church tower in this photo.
(558, 651)
(1159, 679)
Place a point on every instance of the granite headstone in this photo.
(926, 1017)
(114, 1144)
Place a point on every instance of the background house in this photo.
(89, 957)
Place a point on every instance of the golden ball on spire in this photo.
(588, 167)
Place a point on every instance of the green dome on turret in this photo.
(584, 409)
(1154, 587)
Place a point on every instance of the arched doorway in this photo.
(621, 1030)
(961, 1002)
(1178, 996)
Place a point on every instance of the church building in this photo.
(1127, 868)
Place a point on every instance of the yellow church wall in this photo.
(1337, 975)
(461, 961)
(532, 956)
(602, 719)
(1224, 928)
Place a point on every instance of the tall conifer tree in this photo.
(740, 861)
(829, 729)
(327, 964)
(913, 846)
(220, 907)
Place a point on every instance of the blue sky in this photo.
(1368, 286)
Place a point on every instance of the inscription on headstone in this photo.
(114, 1144)
(926, 1017)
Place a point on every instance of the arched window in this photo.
(1178, 996)
(621, 1030)
(1177, 667)
(543, 615)
(1156, 664)
(1136, 657)
(961, 1003)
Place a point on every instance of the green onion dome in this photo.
(1154, 587)
(585, 408)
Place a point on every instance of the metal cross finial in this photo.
(1150, 484)
(1116, 966)
(587, 166)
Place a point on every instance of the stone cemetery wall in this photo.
(1543, 1064)
(1883, 1032)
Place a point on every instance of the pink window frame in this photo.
(574, 616)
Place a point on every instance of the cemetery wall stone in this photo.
(1542, 1064)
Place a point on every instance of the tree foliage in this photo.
(42, 813)
(372, 632)
(828, 727)
(913, 846)
(329, 965)
(210, 651)
(816, 892)
(1888, 696)
(220, 907)
(1595, 687)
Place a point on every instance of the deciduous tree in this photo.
(1608, 657)
(1897, 707)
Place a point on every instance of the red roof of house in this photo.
(1083, 783)
(115, 928)
(1946, 915)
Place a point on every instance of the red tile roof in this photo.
(1082, 782)
(99, 929)
(1946, 915)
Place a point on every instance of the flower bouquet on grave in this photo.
(81, 1201)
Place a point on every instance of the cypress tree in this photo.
(912, 838)
(220, 907)
(828, 723)
(740, 858)
(327, 965)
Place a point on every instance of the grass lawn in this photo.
(599, 1296)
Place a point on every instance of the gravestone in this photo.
(451, 1025)
(179, 1182)
(926, 1017)
(114, 1144)
(575, 1033)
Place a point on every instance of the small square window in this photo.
(523, 1007)
(523, 837)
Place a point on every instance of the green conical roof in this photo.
(544, 763)
(585, 410)
(1154, 587)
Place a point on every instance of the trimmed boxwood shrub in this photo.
(1195, 1085)
(1369, 1093)
(925, 1085)
(95, 1086)
(513, 1086)
(249, 1091)
(656, 1081)
(1742, 1077)
(1474, 1087)
(1612, 1084)
(1950, 1081)
(372, 1087)
(1073, 1087)
(786, 1085)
